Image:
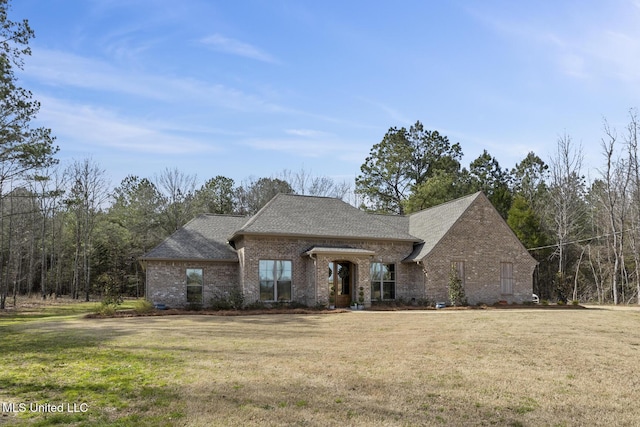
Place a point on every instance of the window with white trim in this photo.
(383, 281)
(275, 280)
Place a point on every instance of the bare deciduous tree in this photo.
(88, 193)
(566, 196)
(177, 190)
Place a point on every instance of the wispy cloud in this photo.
(396, 115)
(63, 69)
(237, 47)
(312, 148)
(89, 126)
(580, 47)
(307, 133)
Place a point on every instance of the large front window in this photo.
(275, 280)
(383, 281)
(194, 285)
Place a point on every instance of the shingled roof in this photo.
(432, 224)
(203, 238)
(207, 237)
(294, 215)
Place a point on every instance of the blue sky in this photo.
(249, 88)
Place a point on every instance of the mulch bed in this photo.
(183, 312)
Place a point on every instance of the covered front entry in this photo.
(339, 274)
(340, 280)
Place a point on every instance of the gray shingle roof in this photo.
(294, 215)
(204, 237)
(432, 224)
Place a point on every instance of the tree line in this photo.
(63, 231)
(585, 234)
(66, 232)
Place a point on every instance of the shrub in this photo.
(142, 306)
(544, 302)
(423, 302)
(219, 303)
(232, 300)
(236, 299)
(256, 305)
(575, 302)
(456, 290)
(319, 306)
(296, 304)
(194, 306)
(110, 290)
(105, 309)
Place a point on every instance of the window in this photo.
(506, 278)
(275, 280)
(383, 281)
(194, 285)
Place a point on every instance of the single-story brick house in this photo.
(303, 248)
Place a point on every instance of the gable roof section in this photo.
(202, 238)
(295, 215)
(432, 224)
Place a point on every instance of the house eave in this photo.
(320, 250)
(166, 259)
(320, 236)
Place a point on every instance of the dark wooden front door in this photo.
(341, 279)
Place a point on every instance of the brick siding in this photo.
(482, 240)
(167, 280)
(307, 271)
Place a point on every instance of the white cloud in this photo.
(320, 148)
(395, 114)
(61, 69)
(307, 133)
(237, 47)
(602, 44)
(90, 126)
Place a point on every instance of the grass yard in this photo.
(515, 367)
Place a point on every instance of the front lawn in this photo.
(459, 367)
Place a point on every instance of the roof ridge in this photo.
(223, 215)
(459, 199)
(386, 214)
(301, 215)
(310, 196)
(253, 217)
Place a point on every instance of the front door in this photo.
(341, 282)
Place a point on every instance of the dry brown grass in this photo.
(525, 367)
(468, 367)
